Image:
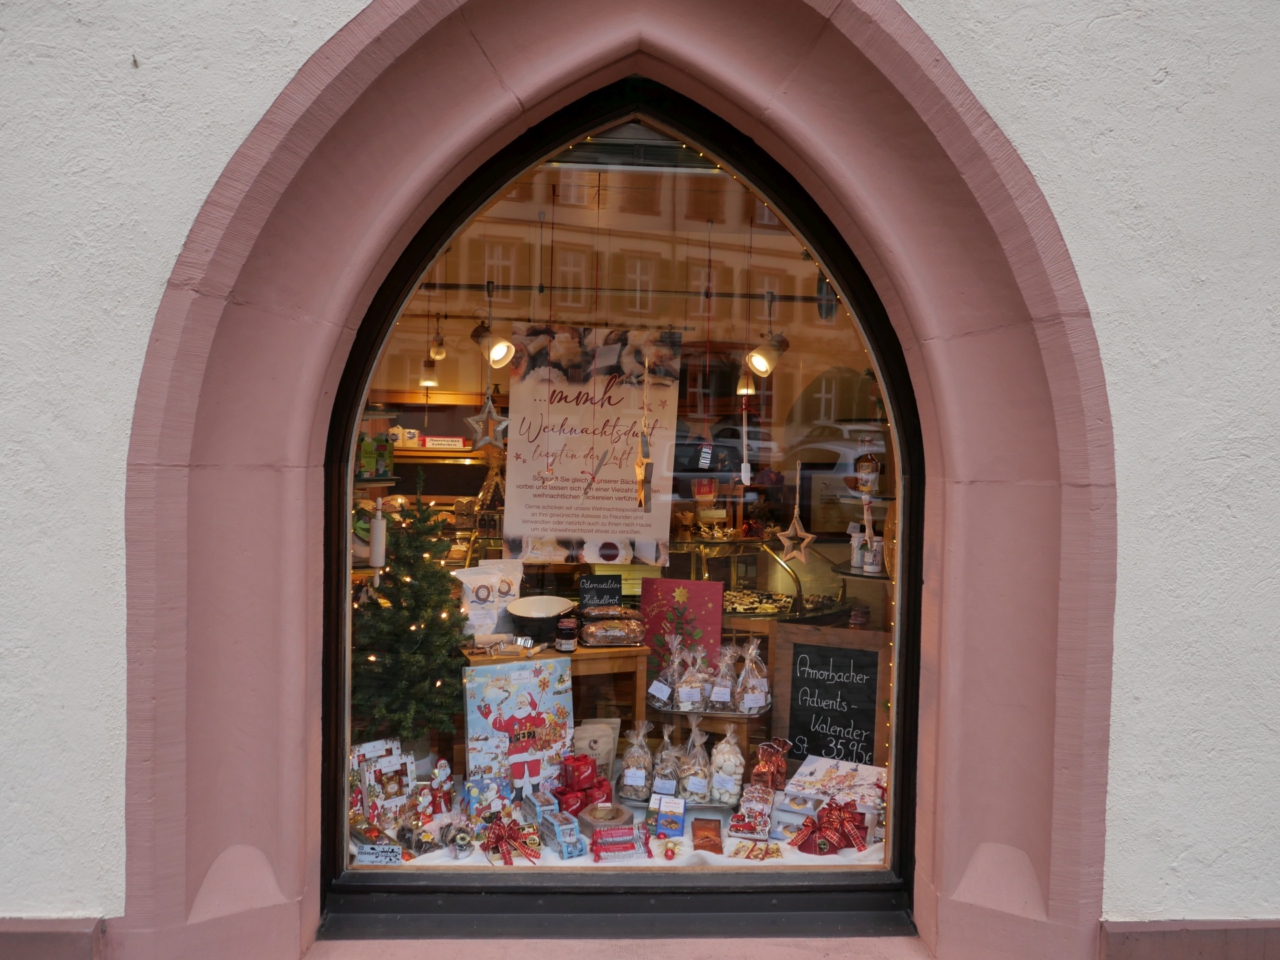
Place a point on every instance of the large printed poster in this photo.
(579, 489)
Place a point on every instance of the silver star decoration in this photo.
(480, 423)
(793, 533)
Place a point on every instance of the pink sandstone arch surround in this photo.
(224, 505)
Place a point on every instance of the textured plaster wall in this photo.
(115, 121)
(1152, 128)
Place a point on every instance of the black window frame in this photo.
(527, 903)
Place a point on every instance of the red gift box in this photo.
(579, 771)
(599, 792)
(838, 825)
(572, 802)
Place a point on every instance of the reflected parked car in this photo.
(761, 447)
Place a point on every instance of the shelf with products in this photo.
(846, 570)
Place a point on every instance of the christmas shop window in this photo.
(623, 540)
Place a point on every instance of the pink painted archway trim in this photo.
(223, 512)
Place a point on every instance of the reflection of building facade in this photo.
(687, 246)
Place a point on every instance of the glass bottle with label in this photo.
(867, 467)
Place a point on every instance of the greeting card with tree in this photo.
(690, 608)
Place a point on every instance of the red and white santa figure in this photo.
(521, 729)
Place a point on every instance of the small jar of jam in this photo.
(567, 634)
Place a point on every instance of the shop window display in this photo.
(623, 540)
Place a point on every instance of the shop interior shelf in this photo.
(846, 570)
(723, 714)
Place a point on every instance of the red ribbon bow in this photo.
(819, 831)
(844, 819)
(504, 836)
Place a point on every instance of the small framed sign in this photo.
(600, 590)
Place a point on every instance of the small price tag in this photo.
(752, 701)
(704, 457)
(689, 694)
(722, 781)
(660, 690)
(379, 855)
(697, 784)
(664, 786)
(720, 694)
(633, 777)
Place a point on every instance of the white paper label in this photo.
(720, 694)
(379, 855)
(660, 690)
(633, 777)
(689, 694)
(722, 781)
(664, 786)
(696, 785)
(752, 701)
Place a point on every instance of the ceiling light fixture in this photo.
(764, 358)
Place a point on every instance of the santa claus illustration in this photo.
(521, 728)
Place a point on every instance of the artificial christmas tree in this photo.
(406, 636)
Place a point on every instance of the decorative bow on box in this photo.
(837, 826)
(506, 837)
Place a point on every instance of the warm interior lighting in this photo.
(499, 349)
(746, 383)
(438, 351)
(429, 377)
(764, 358)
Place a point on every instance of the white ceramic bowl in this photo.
(539, 607)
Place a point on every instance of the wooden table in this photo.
(590, 662)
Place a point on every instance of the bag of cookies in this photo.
(724, 680)
(666, 764)
(751, 693)
(727, 768)
(690, 694)
(695, 766)
(637, 765)
(662, 691)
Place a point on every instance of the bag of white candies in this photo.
(637, 765)
(695, 767)
(751, 695)
(727, 768)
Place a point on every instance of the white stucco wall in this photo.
(1151, 128)
(104, 164)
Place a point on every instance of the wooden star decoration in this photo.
(488, 426)
(644, 476)
(796, 532)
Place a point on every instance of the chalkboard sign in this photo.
(603, 590)
(831, 688)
